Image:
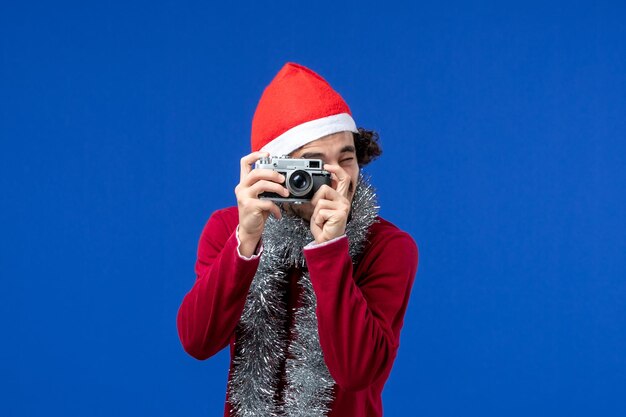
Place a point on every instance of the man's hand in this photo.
(253, 212)
(331, 207)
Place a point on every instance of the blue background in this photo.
(503, 127)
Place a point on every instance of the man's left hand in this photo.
(331, 206)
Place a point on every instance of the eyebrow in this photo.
(319, 155)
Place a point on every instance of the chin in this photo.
(304, 210)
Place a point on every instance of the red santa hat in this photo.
(296, 108)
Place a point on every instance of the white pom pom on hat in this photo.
(296, 108)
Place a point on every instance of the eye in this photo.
(346, 160)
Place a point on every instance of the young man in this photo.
(311, 298)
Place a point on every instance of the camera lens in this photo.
(299, 183)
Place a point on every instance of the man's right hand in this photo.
(253, 211)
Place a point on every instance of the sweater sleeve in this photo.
(359, 318)
(210, 311)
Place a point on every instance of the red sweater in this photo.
(360, 308)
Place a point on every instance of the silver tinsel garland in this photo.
(261, 340)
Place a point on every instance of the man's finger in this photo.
(247, 162)
(342, 177)
(262, 174)
(268, 205)
(266, 186)
(328, 204)
(320, 217)
(324, 192)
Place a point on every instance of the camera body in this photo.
(303, 177)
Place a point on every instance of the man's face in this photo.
(336, 149)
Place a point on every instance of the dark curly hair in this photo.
(367, 146)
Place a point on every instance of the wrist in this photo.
(319, 243)
(247, 243)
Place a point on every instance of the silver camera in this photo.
(303, 177)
